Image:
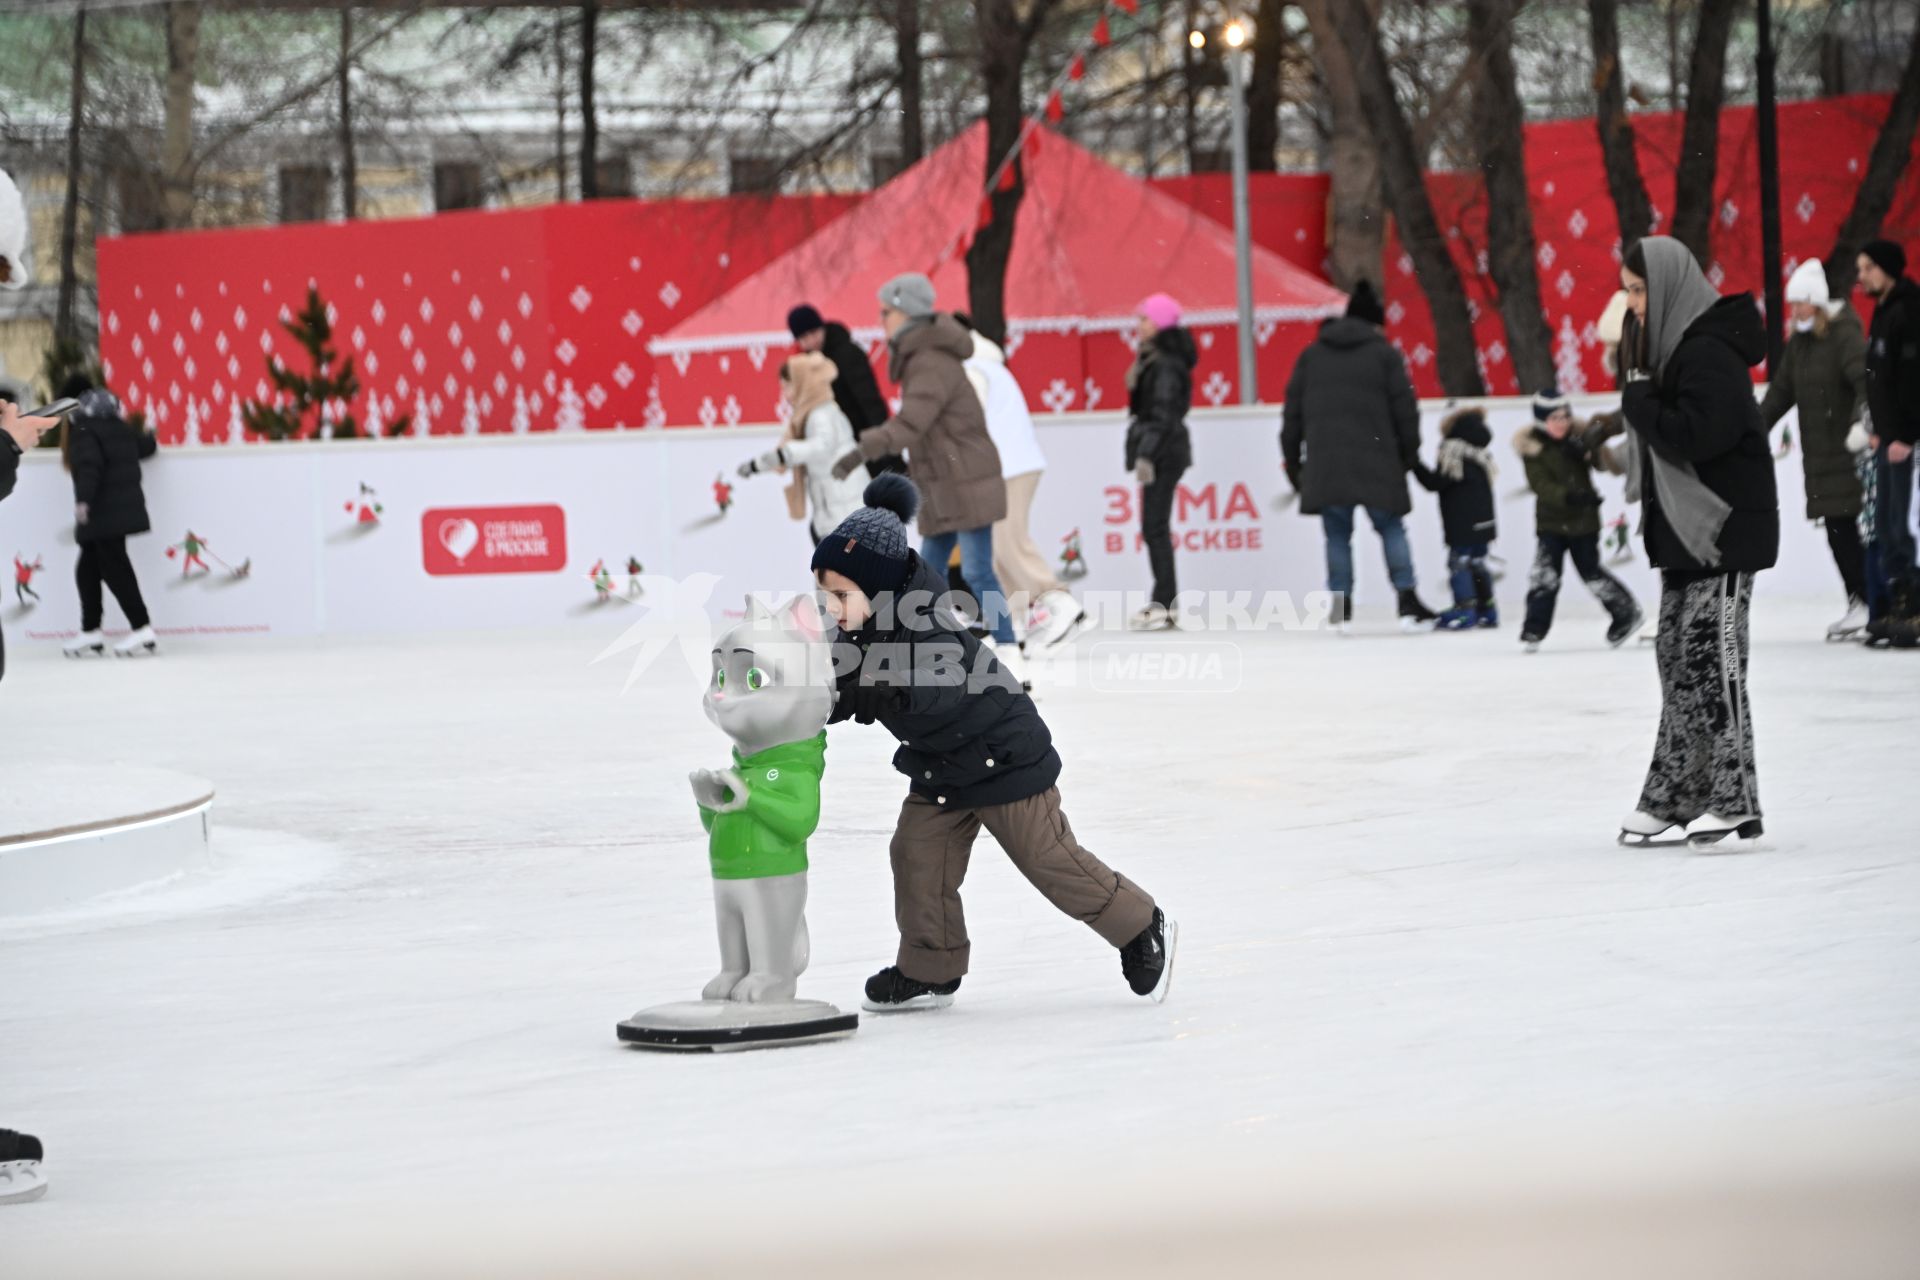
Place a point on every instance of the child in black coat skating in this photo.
(1462, 475)
(976, 755)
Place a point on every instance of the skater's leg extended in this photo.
(1036, 836)
(930, 850)
(1543, 586)
(734, 956)
(775, 911)
(1622, 609)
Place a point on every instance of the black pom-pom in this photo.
(893, 492)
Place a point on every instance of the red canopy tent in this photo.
(1089, 244)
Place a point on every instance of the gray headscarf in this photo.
(1677, 295)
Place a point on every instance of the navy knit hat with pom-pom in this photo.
(870, 546)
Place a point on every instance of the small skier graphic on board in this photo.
(189, 549)
(634, 570)
(722, 494)
(1073, 564)
(23, 579)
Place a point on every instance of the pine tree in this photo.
(300, 402)
(1569, 361)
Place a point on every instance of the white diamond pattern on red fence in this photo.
(504, 333)
(565, 352)
(632, 323)
(426, 310)
(1729, 213)
(240, 318)
(623, 375)
(454, 334)
(474, 309)
(113, 322)
(406, 335)
(379, 312)
(519, 358)
(467, 360)
(196, 320)
(581, 298)
(526, 306)
(1577, 224)
(1564, 284)
(670, 296)
(1546, 255)
(1405, 264)
(1806, 208)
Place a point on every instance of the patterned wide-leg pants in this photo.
(1703, 757)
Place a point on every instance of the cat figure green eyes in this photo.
(771, 692)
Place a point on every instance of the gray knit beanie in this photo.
(911, 294)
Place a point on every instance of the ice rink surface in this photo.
(448, 865)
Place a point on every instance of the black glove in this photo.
(849, 461)
(869, 702)
(1583, 499)
(1294, 471)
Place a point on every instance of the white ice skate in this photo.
(86, 644)
(21, 1181)
(141, 644)
(1053, 620)
(1854, 625)
(1641, 830)
(1155, 617)
(1010, 657)
(1712, 828)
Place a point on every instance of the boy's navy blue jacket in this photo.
(969, 736)
(1466, 503)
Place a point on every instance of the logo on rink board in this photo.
(458, 540)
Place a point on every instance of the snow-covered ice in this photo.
(447, 865)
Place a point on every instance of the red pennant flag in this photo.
(1078, 69)
(985, 217)
(1128, 6)
(1008, 178)
(1056, 108)
(1102, 34)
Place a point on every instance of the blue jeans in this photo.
(976, 566)
(1338, 524)
(1471, 581)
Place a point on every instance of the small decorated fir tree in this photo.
(302, 402)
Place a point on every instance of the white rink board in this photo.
(649, 494)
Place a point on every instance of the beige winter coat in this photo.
(942, 430)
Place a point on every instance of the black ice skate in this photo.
(891, 991)
(1147, 961)
(1415, 616)
(21, 1178)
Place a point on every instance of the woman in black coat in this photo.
(1159, 448)
(104, 455)
(1702, 469)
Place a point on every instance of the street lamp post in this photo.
(1236, 38)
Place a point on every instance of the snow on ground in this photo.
(449, 864)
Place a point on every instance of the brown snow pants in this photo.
(930, 850)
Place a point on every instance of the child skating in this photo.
(1560, 460)
(976, 754)
(1463, 475)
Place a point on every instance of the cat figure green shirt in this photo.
(769, 836)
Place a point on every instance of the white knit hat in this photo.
(1613, 319)
(1808, 283)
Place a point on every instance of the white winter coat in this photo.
(1009, 421)
(829, 437)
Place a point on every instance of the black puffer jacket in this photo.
(1350, 427)
(1893, 364)
(105, 455)
(1466, 501)
(1703, 411)
(856, 390)
(968, 736)
(1158, 401)
(9, 464)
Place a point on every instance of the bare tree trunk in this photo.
(1693, 180)
(1404, 179)
(1003, 52)
(1263, 90)
(1673, 56)
(1358, 232)
(1631, 204)
(589, 122)
(349, 163)
(65, 329)
(1885, 165)
(176, 148)
(906, 27)
(560, 108)
(1501, 140)
(1190, 87)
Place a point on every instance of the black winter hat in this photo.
(1887, 256)
(870, 546)
(1548, 402)
(804, 319)
(1364, 304)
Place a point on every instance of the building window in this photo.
(754, 175)
(456, 185)
(304, 190)
(1212, 160)
(616, 177)
(138, 194)
(883, 167)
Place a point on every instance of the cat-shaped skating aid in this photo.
(771, 692)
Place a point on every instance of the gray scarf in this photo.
(1677, 295)
(1456, 454)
